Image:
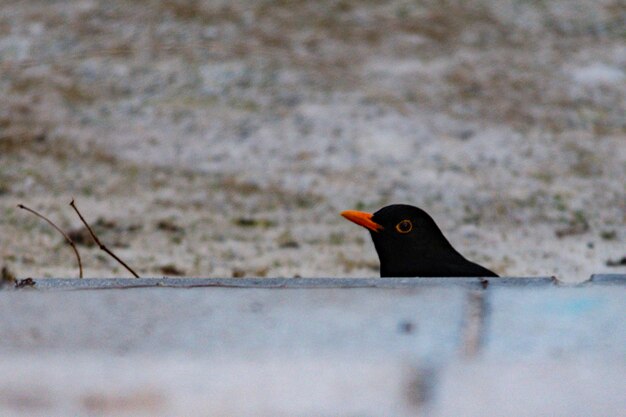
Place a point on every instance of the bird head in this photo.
(402, 235)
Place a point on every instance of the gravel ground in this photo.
(214, 138)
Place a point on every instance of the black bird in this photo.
(409, 244)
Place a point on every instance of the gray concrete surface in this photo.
(112, 283)
(314, 347)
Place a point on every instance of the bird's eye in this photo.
(405, 226)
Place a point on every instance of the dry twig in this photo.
(67, 238)
(100, 245)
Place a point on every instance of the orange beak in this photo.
(362, 219)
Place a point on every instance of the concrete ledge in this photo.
(125, 283)
(439, 347)
(610, 279)
(186, 282)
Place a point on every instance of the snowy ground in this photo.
(212, 138)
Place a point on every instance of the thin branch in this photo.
(67, 238)
(95, 238)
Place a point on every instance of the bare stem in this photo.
(67, 238)
(95, 238)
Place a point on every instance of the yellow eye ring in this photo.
(405, 226)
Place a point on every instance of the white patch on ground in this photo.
(598, 74)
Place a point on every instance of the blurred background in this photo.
(223, 138)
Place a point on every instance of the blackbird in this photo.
(409, 244)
